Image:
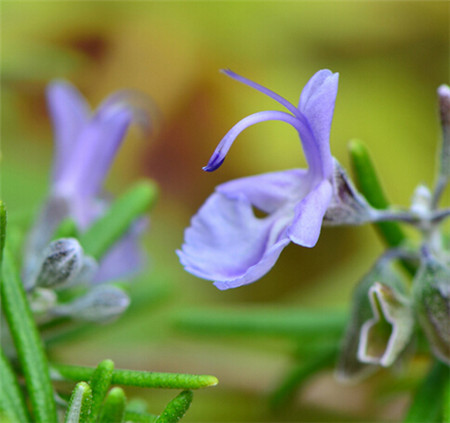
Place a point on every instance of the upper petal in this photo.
(92, 155)
(305, 229)
(226, 243)
(69, 112)
(317, 105)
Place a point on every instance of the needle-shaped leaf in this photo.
(263, 321)
(12, 404)
(2, 229)
(79, 404)
(370, 186)
(117, 220)
(429, 400)
(135, 417)
(113, 410)
(100, 381)
(446, 410)
(176, 408)
(66, 229)
(137, 378)
(27, 341)
(299, 374)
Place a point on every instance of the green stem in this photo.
(370, 186)
(28, 343)
(138, 378)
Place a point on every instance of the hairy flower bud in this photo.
(431, 292)
(63, 259)
(101, 304)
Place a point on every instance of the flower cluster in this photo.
(230, 244)
(86, 143)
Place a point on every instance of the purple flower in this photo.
(85, 145)
(227, 242)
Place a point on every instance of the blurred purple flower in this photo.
(227, 242)
(85, 145)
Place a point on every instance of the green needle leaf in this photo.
(137, 378)
(370, 186)
(263, 321)
(447, 402)
(12, 404)
(28, 342)
(100, 383)
(429, 400)
(117, 220)
(80, 404)
(176, 408)
(2, 229)
(66, 229)
(300, 374)
(135, 417)
(113, 410)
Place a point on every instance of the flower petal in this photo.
(269, 191)
(69, 113)
(305, 229)
(226, 243)
(317, 105)
(95, 149)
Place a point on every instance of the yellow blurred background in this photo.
(391, 57)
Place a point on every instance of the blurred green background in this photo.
(391, 57)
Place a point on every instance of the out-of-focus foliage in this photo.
(391, 57)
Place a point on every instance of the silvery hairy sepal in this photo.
(389, 331)
(347, 206)
(101, 304)
(358, 358)
(431, 294)
(61, 263)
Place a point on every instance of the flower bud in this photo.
(87, 272)
(42, 300)
(101, 304)
(63, 259)
(348, 206)
(431, 293)
(421, 201)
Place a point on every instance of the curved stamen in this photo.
(312, 152)
(263, 90)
